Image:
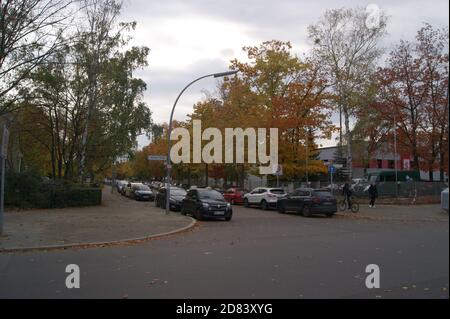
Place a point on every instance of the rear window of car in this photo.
(141, 187)
(178, 191)
(277, 191)
(323, 194)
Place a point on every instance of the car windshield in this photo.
(177, 192)
(210, 194)
(278, 191)
(141, 187)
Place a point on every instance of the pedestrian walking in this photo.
(347, 192)
(373, 193)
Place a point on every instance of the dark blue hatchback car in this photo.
(308, 202)
(205, 203)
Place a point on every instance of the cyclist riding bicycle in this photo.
(347, 192)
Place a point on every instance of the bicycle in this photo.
(342, 204)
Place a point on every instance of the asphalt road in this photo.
(259, 254)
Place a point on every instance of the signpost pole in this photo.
(331, 170)
(4, 149)
(332, 186)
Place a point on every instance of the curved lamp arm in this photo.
(215, 75)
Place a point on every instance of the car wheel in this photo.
(306, 211)
(228, 218)
(281, 208)
(330, 215)
(263, 205)
(246, 203)
(183, 211)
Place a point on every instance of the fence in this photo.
(385, 189)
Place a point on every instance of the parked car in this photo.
(263, 197)
(120, 185)
(220, 190)
(359, 184)
(206, 203)
(444, 199)
(234, 196)
(308, 201)
(177, 194)
(128, 189)
(143, 192)
(139, 191)
(336, 188)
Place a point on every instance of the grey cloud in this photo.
(266, 19)
(288, 19)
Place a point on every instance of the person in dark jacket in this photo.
(373, 193)
(347, 192)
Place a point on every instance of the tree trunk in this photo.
(430, 170)
(442, 166)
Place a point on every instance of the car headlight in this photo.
(228, 205)
(205, 205)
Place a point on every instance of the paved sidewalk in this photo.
(117, 219)
(431, 213)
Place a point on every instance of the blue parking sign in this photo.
(331, 169)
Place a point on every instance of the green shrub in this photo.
(26, 190)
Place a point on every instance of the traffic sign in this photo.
(331, 169)
(278, 170)
(157, 158)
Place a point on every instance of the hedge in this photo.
(56, 198)
(27, 190)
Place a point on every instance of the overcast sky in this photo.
(190, 38)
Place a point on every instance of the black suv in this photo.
(205, 203)
(308, 201)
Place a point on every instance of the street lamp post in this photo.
(307, 155)
(168, 163)
(395, 157)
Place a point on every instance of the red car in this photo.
(234, 196)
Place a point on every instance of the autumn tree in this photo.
(60, 92)
(29, 33)
(289, 94)
(348, 46)
(413, 97)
